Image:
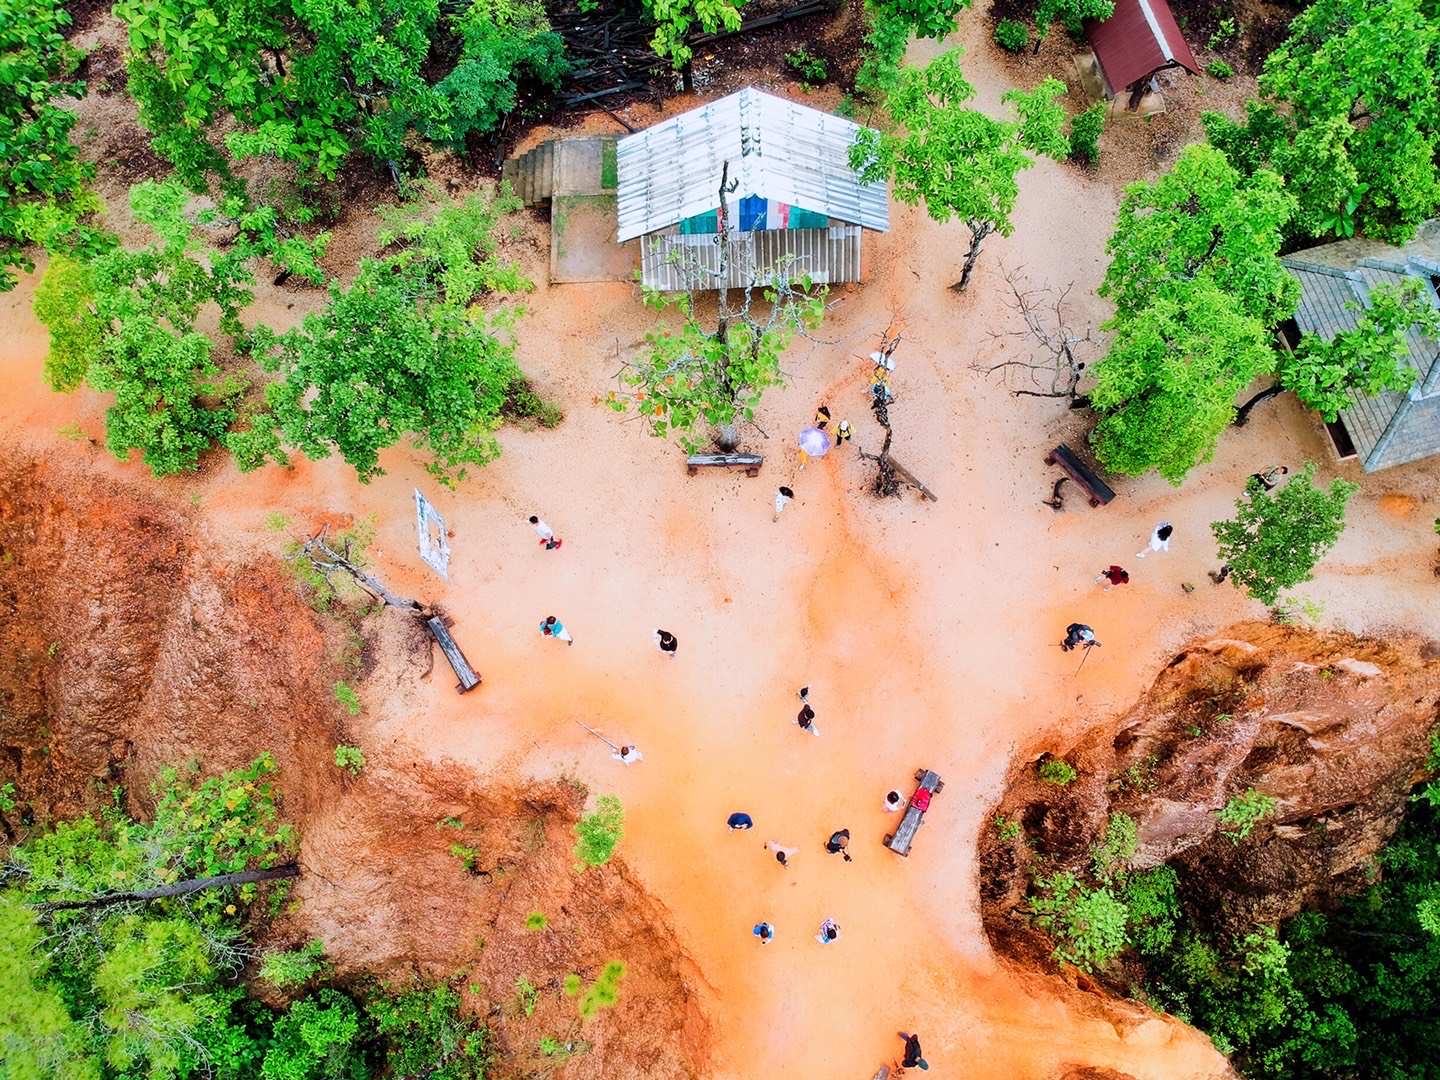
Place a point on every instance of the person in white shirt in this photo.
(548, 540)
(628, 755)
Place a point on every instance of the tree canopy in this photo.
(1196, 281)
(959, 162)
(1275, 538)
(675, 20)
(1350, 117)
(408, 349)
(44, 199)
(1369, 358)
(1202, 219)
(308, 81)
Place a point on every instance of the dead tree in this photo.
(179, 888)
(889, 473)
(1053, 370)
(327, 561)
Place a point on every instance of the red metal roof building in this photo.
(1138, 40)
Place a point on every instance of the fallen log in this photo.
(463, 671)
(180, 888)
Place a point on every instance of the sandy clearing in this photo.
(927, 631)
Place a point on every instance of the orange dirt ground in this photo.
(927, 632)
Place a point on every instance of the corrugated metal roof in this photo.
(776, 148)
(671, 262)
(1390, 428)
(1140, 38)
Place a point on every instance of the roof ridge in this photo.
(1154, 24)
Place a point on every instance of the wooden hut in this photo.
(1140, 39)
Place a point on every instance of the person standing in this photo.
(552, 627)
(913, 1058)
(548, 540)
(1159, 539)
(843, 433)
(829, 931)
(667, 643)
(822, 417)
(838, 842)
(628, 755)
(893, 801)
(782, 855)
(782, 497)
(1267, 479)
(806, 719)
(1077, 634)
(739, 821)
(764, 931)
(1115, 575)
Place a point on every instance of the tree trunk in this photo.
(979, 230)
(180, 888)
(1242, 414)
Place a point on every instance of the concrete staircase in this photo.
(574, 166)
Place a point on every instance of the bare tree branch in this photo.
(1055, 369)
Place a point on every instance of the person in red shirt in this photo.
(1115, 575)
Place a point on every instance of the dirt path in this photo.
(927, 632)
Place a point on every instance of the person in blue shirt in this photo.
(739, 820)
(764, 931)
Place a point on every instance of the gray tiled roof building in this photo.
(1335, 284)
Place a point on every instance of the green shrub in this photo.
(347, 697)
(1152, 899)
(1088, 924)
(294, 967)
(350, 759)
(597, 833)
(524, 406)
(318, 1039)
(469, 857)
(1012, 35)
(1085, 130)
(1220, 69)
(1057, 771)
(527, 996)
(536, 920)
(426, 1036)
(811, 68)
(1110, 855)
(1226, 31)
(604, 992)
(1243, 812)
(1006, 829)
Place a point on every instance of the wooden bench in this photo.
(749, 462)
(463, 671)
(1089, 480)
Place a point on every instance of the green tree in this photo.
(958, 161)
(675, 21)
(1196, 281)
(1202, 220)
(503, 43)
(1276, 538)
(1369, 358)
(406, 350)
(1069, 13)
(171, 401)
(317, 1039)
(597, 833)
(39, 1038)
(427, 1036)
(44, 199)
(1357, 129)
(1166, 388)
(308, 81)
(695, 375)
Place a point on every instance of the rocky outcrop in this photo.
(1334, 728)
